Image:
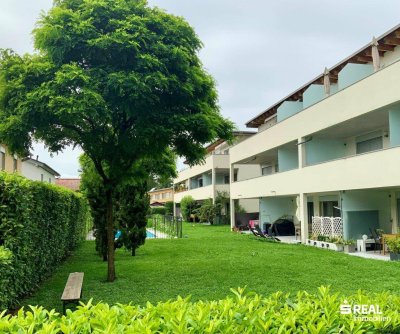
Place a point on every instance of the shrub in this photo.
(394, 245)
(158, 211)
(169, 208)
(188, 204)
(39, 225)
(207, 211)
(240, 313)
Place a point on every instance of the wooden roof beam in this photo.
(366, 59)
(392, 41)
(385, 47)
(396, 33)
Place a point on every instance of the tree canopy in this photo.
(118, 78)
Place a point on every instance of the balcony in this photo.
(198, 193)
(211, 162)
(376, 91)
(377, 169)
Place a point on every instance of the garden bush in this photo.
(240, 313)
(39, 226)
(158, 211)
(169, 208)
(188, 205)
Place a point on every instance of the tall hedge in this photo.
(40, 224)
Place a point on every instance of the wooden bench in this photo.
(73, 290)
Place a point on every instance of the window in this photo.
(267, 170)
(200, 183)
(3, 160)
(226, 179)
(49, 179)
(41, 177)
(369, 145)
(235, 177)
(226, 151)
(15, 164)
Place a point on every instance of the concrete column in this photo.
(303, 217)
(213, 182)
(316, 206)
(232, 210)
(393, 212)
(301, 152)
(174, 209)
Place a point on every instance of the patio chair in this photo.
(262, 235)
(255, 232)
(378, 240)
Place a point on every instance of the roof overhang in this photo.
(386, 42)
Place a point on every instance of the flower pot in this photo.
(335, 247)
(394, 257)
(349, 248)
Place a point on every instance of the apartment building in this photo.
(205, 180)
(330, 149)
(161, 196)
(8, 162)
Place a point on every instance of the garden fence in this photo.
(164, 227)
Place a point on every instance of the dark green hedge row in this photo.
(278, 313)
(39, 226)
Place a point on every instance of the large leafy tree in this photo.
(119, 79)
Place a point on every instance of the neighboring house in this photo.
(331, 148)
(8, 162)
(36, 170)
(205, 180)
(70, 183)
(158, 197)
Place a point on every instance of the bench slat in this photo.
(73, 287)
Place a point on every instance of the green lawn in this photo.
(208, 262)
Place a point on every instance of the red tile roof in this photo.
(72, 184)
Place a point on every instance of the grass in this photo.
(209, 261)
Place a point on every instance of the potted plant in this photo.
(335, 243)
(394, 248)
(349, 246)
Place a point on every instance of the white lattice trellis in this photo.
(337, 227)
(327, 226)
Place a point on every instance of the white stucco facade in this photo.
(330, 153)
(38, 171)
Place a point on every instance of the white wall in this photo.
(250, 204)
(35, 173)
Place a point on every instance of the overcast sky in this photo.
(257, 50)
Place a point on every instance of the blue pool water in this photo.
(150, 235)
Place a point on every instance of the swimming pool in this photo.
(150, 235)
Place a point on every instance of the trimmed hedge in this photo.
(39, 226)
(243, 313)
(158, 211)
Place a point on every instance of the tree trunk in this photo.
(133, 251)
(110, 235)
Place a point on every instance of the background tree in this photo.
(188, 205)
(169, 208)
(131, 202)
(119, 79)
(207, 211)
(131, 215)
